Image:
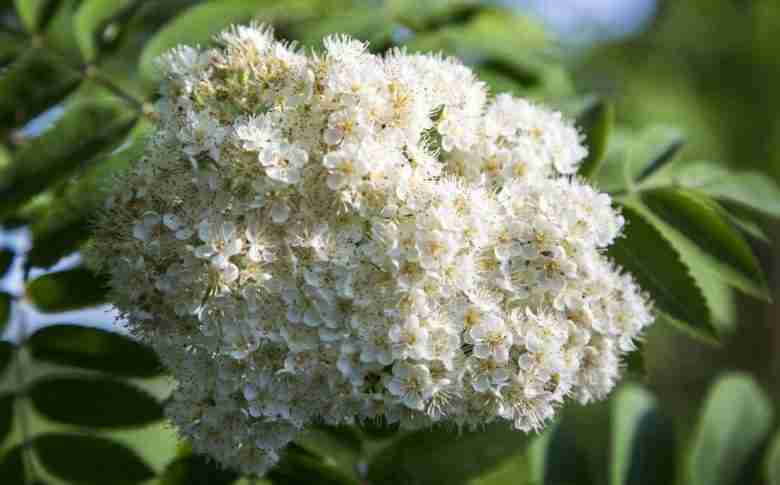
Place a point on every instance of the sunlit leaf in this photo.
(657, 266)
(95, 402)
(93, 348)
(89, 20)
(737, 416)
(198, 25)
(90, 460)
(61, 229)
(67, 290)
(35, 13)
(705, 223)
(748, 188)
(86, 127)
(654, 147)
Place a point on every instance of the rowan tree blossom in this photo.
(339, 237)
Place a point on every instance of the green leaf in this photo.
(12, 466)
(444, 456)
(31, 85)
(657, 267)
(736, 418)
(90, 19)
(90, 460)
(6, 354)
(6, 260)
(751, 189)
(197, 470)
(87, 126)
(296, 468)
(526, 468)
(67, 224)
(94, 402)
(505, 44)
(339, 445)
(6, 415)
(5, 312)
(565, 459)
(772, 462)
(432, 13)
(35, 13)
(95, 349)
(705, 223)
(200, 23)
(642, 444)
(596, 124)
(655, 146)
(67, 290)
(368, 23)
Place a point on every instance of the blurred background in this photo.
(709, 68)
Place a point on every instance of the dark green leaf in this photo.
(379, 429)
(67, 290)
(596, 124)
(5, 312)
(296, 468)
(705, 223)
(6, 259)
(772, 462)
(654, 147)
(95, 402)
(32, 84)
(657, 267)
(12, 467)
(736, 418)
(565, 462)
(750, 189)
(66, 225)
(96, 349)
(90, 460)
(197, 470)
(91, 18)
(35, 13)
(6, 415)
(198, 25)
(6, 354)
(642, 444)
(87, 126)
(444, 456)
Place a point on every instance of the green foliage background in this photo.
(681, 133)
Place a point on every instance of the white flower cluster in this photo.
(340, 237)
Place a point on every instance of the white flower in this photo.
(492, 339)
(341, 236)
(347, 167)
(410, 340)
(412, 384)
(221, 242)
